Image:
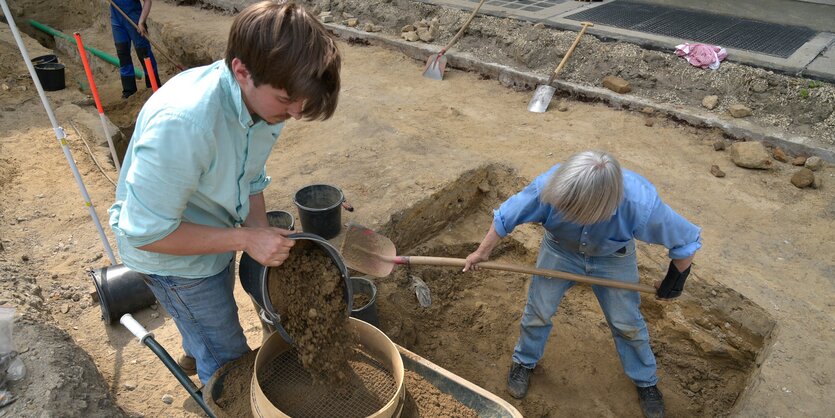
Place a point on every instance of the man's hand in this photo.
(143, 28)
(269, 246)
(473, 260)
(673, 284)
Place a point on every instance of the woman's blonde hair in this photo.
(587, 188)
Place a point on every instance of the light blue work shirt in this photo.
(196, 156)
(641, 215)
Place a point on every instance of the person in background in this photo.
(190, 193)
(593, 211)
(124, 34)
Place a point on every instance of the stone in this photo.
(647, 110)
(425, 35)
(5, 87)
(154, 315)
(484, 187)
(799, 160)
(408, 28)
(410, 36)
(129, 385)
(562, 106)
(616, 84)
(780, 155)
(368, 27)
(422, 24)
(814, 163)
(719, 145)
(803, 178)
(168, 399)
(710, 102)
(346, 15)
(539, 25)
(326, 18)
(65, 308)
(716, 171)
(750, 155)
(376, 28)
(649, 122)
(739, 111)
(87, 101)
(352, 22)
(759, 85)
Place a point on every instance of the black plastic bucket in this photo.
(368, 311)
(120, 290)
(320, 209)
(51, 76)
(281, 219)
(45, 59)
(255, 281)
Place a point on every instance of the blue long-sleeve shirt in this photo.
(641, 215)
(196, 156)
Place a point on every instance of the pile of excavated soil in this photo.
(424, 400)
(308, 292)
(782, 101)
(233, 401)
(360, 300)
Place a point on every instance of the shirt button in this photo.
(585, 233)
(584, 244)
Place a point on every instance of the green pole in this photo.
(97, 52)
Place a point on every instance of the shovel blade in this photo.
(435, 66)
(367, 251)
(541, 99)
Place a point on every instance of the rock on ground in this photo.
(814, 163)
(803, 178)
(750, 155)
(616, 84)
(739, 111)
(710, 102)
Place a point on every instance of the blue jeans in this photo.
(620, 307)
(124, 34)
(206, 315)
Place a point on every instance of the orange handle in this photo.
(89, 72)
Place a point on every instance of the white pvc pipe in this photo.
(59, 132)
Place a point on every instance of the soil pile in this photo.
(307, 291)
(360, 300)
(425, 400)
(233, 401)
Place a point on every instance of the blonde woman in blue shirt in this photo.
(190, 192)
(592, 212)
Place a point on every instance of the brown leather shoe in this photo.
(188, 364)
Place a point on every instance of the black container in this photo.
(281, 219)
(51, 76)
(320, 209)
(45, 59)
(255, 281)
(367, 312)
(120, 290)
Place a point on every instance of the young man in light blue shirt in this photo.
(592, 212)
(190, 192)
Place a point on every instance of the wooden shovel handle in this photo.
(585, 26)
(491, 265)
(463, 28)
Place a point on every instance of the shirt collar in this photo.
(236, 97)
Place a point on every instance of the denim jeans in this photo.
(206, 315)
(620, 307)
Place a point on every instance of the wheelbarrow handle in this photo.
(135, 327)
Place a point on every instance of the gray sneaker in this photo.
(652, 402)
(517, 380)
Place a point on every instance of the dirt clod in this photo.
(716, 171)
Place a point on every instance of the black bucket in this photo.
(120, 290)
(319, 209)
(255, 281)
(45, 59)
(281, 219)
(368, 311)
(51, 76)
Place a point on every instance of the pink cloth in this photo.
(702, 55)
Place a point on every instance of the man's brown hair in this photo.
(284, 46)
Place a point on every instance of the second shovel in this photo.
(543, 94)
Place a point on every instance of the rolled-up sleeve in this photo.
(523, 207)
(168, 160)
(666, 227)
(260, 183)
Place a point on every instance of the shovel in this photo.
(543, 94)
(371, 253)
(436, 64)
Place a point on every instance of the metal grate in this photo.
(292, 390)
(727, 31)
(526, 5)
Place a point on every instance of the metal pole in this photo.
(99, 107)
(59, 131)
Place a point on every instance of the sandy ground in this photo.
(400, 142)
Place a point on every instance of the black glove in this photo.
(673, 284)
